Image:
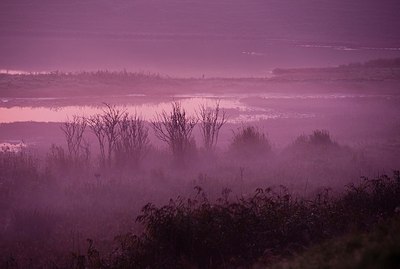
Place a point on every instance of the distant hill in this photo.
(379, 63)
(108, 83)
(380, 69)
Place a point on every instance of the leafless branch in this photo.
(211, 122)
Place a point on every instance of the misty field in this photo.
(199, 134)
(135, 170)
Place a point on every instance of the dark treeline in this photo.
(123, 139)
(100, 75)
(375, 70)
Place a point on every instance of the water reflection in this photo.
(59, 109)
(238, 111)
(146, 110)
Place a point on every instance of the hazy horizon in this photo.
(191, 38)
(215, 135)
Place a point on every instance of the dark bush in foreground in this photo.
(234, 232)
(378, 249)
(227, 234)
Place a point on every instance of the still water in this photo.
(239, 107)
(50, 110)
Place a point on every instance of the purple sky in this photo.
(190, 38)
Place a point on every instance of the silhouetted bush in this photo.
(175, 129)
(133, 142)
(249, 142)
(211, 121)
(319, 138)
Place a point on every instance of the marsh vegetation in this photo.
(105, 197)
(202, 180)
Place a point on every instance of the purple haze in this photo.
(191, 38)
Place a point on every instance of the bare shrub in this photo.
(175, 129)
(97, 127)
(105, 127)
(211, 121)
(133, 142)
(111, 118)
(78, 148)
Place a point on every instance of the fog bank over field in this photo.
(135, 170)
(358, 103)
(199, 134)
